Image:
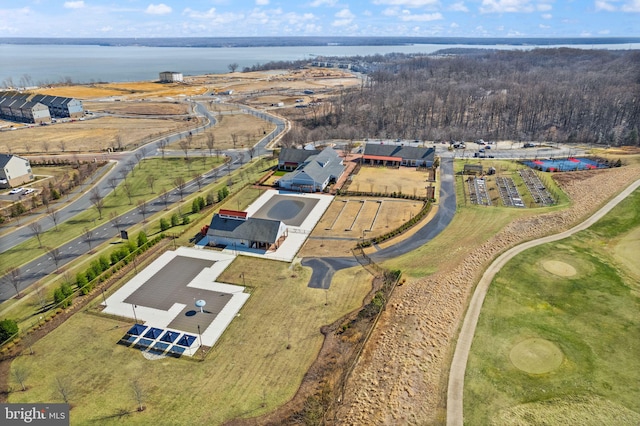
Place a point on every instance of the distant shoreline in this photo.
(222, 42)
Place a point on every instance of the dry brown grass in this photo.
(130, 90)
(93, 135)
(249, 131)
(388, 180)
(139, 108)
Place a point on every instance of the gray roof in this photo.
(292, 155)
(252, 229)
(319, 167)
(400, 151)
(5, 158)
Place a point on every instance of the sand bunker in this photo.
(558, 268)
(536, 356)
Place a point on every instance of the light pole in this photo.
(134, 313)
(199, 335)
(103, 298)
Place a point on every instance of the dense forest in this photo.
(554, 95)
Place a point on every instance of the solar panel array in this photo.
(158, 340)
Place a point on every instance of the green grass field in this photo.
(250, 370)
(592, 317)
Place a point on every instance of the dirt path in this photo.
(402, 375)
(455, 414)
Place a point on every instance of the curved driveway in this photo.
(459, 363)
(324, 268)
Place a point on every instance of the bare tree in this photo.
(20, 375)
(151, 180)
(185, 144)
(139, 394)
(62, 145)
(116, 220)
(54, 215)
(199, 181)
(142, 209)
(140, 154)
(162, 146)
(132, 167)
(87, 236)
(63, 389)
(113, 183)
(180, 186)
(165, 198)
(118, 143)
(128, 190)
(97, 200)
(211, 141)
(252, 152)
(55, 255)
(36, 228)
(14, 278)
(233, 66)
(46, 146)
(234, 139)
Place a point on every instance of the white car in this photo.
(16, 191)
(29, 191)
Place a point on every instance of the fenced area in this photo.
(355, 217)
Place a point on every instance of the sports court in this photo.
(565, 165)
(163, 298)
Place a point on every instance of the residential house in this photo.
(234, 229)
(290, 159)
(14, 171)
(314, 174)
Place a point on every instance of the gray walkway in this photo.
(455, 393)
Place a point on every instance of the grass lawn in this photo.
(250, 370)
(26, 307)
(591, 317)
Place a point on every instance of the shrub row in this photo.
(380, 195)
(415, 219)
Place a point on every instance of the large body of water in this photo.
(45, 64)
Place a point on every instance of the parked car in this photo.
(487, 147)
(16, 191)
(29, 191)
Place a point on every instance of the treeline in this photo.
(553, 95)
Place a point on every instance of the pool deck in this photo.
(297, 234)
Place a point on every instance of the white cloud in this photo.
(318, 3)
(74, 4)
(506, 6)
(215, 17)
(262, 2)
(454, 25)
(391, 11)
(547, 16)
(345, 14)
(425, 17)
(544, 27)
(604, 5)
(458, 7)
(631, 6)
(604, 32)
(158, 9)
(408, 3)
(542, 7)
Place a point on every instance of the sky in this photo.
(255, 18)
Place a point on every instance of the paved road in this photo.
(324, 268)
(459, 363)
(44, 265)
